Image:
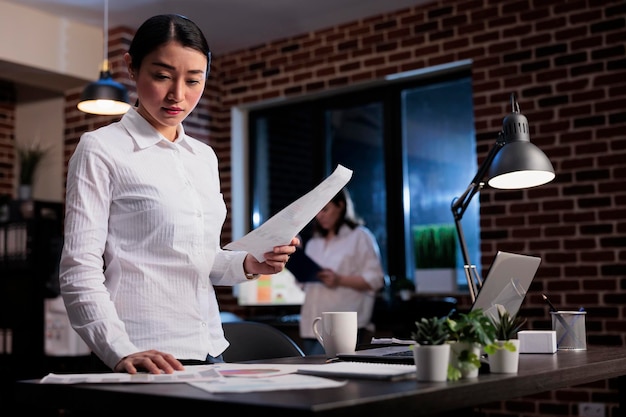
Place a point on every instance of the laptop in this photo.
(506, 284)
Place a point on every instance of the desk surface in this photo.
(538, 373)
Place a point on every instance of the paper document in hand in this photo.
(289, 222)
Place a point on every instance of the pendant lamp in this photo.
(105, 96)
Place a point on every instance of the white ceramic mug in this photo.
(338, 332)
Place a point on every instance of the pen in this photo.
(552, 307)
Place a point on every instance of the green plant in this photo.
(431, 331)
(473, 328)
(506, 327)
(29, 158)
(435, 246)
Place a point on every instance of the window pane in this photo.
(440, 150)
(355, 140)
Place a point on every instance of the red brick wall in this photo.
(7, 138)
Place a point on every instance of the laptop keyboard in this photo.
(407, 352)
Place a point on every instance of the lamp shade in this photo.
(519, 164)
(104, 97)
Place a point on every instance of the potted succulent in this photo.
(469, 333)
(431, 352)
(503, 353)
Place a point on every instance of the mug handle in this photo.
(319, 337)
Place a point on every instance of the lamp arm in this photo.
(459, 205)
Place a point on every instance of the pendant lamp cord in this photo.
(106, 36)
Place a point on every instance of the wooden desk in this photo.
(538, 373)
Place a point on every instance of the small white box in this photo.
(537, 341)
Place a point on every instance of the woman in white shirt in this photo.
(352, 272)
(144, 213)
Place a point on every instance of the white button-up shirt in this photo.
(142, 243)
(350, 252)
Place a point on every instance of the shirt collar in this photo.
(344, 230)
(145, 135)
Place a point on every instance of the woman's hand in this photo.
(329, 278)
(151, 361)
(274, 261)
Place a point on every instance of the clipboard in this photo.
(302, 267)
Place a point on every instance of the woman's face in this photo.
(329, 215)
(170, 83)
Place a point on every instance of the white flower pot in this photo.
(435, 280)
(456, 350)
(431, 362)
(503, 361)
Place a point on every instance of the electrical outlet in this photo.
(591, 410)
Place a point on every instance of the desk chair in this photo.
(256, 341)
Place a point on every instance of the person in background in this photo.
(351, 271)
(144, 214)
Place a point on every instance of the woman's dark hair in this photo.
(348, 214)
(161, 29)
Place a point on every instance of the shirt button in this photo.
(203, 324)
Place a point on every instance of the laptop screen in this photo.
(507, 283)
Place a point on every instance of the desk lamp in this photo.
(512, 163)
(105, 96)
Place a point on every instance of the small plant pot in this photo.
(431, 362)
(459, 350)
(503, 361)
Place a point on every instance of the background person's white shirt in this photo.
(350, 252)
(150, 213)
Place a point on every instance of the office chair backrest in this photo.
(256, 341)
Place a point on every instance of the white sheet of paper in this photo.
(274, 383)
(192, 373)
(289, 222)
(222, 377)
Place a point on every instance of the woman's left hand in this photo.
(274, 261)
(329, 278)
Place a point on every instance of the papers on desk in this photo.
(272, 383)
(391, 341)
(240, 377)
(289, 222)
(369, 370)
(223, 377)
(191, 373)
